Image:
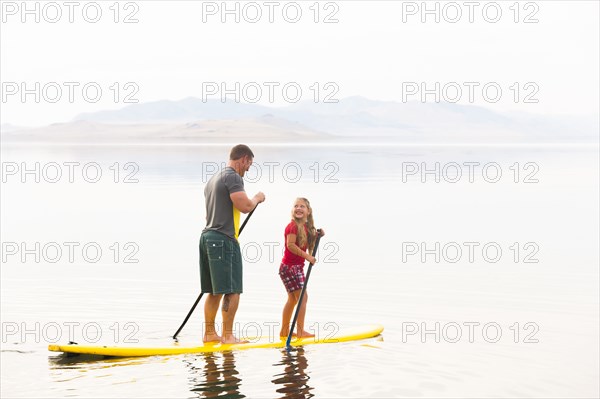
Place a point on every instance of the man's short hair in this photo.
(240, 151)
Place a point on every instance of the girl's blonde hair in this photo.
(310, 224)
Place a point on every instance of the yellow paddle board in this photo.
(350, 334)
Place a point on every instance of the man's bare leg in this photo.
(210, 313)
(228, 310)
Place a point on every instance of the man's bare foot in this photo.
(231, 339)
(214, 338)
(305, 334)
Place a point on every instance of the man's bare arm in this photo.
(243, 203)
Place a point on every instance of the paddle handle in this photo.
(314, 253)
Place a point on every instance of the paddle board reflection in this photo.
(67, 361)
(214, 375)
(293, 382)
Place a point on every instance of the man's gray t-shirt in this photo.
(221, 215)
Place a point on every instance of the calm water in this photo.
(518, 318)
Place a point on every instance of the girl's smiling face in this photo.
(300, 210)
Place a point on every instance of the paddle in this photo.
(289, 338)
(202, 293)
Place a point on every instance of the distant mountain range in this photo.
(353, 118)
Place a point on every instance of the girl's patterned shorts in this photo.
(292, 276)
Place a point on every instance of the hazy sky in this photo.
(380, 50)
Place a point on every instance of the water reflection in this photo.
(213, 375)
(293, 382)
(66, 361)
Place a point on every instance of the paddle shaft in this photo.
(289, 338)
(202, 293)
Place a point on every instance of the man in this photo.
(220, 255)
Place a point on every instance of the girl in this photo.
(300, 236)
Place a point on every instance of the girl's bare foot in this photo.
(305, 334)
(285, 333)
